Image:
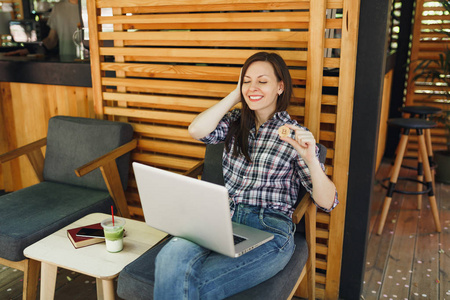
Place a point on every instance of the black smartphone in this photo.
(91, 232)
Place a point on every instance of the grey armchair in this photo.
(97, 150)
(136, 281)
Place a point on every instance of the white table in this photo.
(56, 250)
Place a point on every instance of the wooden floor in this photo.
(408, 261)
(69, 285)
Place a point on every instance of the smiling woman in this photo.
(262, 172)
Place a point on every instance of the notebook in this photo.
(194, 210)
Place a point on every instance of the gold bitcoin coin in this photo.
(284, 131)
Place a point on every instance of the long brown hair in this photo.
(240, 129)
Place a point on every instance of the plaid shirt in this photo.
(273, 177)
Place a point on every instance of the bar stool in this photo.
(423, 112)
(406, 125)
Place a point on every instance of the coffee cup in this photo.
(113, 234)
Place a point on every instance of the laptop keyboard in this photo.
(238, 239)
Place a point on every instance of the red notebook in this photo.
(80, 241)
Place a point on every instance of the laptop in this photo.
(194, 210)
(28, 31)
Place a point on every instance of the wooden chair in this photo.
(136, 281)
(62, 195)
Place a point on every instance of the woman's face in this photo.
(261, 88)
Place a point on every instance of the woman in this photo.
(262, 172)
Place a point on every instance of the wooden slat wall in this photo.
(167, 61)
(24, 113)
(427, 43)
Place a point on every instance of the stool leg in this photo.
(393, 181)
(428, 178)
(430, 153)
(419, 178)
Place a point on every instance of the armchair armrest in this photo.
(301, 209)
(196, 170)
(308, 209)
(34, 154)
(108, 167)
(23, 150)
(102, 160)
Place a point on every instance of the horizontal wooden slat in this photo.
(330, 153)
(322, 233)
(323, 218)
(210, 38)
(330, 81)
(173, 148)
(321, 264)
(428, 36)
(175, 71)
(270, 6)
(164, 161)
(329, 100)
(335, 4)
(331, 62)
(321, 249)
(162, 117)
(175, 103)
(218, 56)
(328, 170)
(328, 118)
(428, 55)
(320, 293)
(200, 4)
(253, 20)
(320, 278)
(327, 136)
(333, 43)
(435, 18)
(163, 132)
(173, 87)
(333, 24)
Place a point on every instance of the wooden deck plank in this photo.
(425, 270)
(10, 283)
(378, 193)
(379, 246)
(401, 258)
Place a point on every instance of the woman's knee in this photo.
(176, 254)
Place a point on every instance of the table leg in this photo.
(105, 289)
(48, 280)
(99, 289)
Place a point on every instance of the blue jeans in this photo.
(185, 270)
